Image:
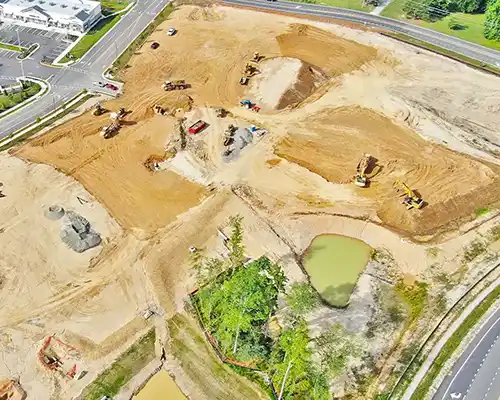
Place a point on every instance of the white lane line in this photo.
(472, 352)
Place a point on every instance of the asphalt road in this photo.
(67, 82)
(475, 375)
(472, 50)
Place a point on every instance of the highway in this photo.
(476, 374)
(67, 82)
(488, 56)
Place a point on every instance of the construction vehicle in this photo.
(98, 110)
(411, 200)
(244, 80)
(250, 70)
(197, 127)
(159, 109)
(246, 103)
(227, 139)
(360, 179)
(256, 57)
(175, 85)
(220, 112)
(109, 130)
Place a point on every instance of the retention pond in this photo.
(334, 263)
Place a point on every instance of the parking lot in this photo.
(52, 43)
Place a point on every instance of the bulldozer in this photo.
(360, 179)
(175, 85)
(220, 112)
(411, 200)
(98, 110)
(109, 130)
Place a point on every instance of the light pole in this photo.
(19, 44)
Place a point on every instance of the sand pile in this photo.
(285, 81)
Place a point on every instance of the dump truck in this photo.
(360, 179)
(175, 85)
(410, 199)
(98, 110)
(244, 80)
(109, 130)
(197, 127)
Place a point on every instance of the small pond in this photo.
(160, 387)
(334, 263)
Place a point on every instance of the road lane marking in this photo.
(472, 352)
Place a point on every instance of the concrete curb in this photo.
(45, 89)
(46, 117)
(445, 337)
(65, 52)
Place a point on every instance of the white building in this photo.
(73, 16)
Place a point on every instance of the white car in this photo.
(100, 84)
(172, 32)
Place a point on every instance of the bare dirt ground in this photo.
(340, 93)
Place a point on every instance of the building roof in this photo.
(55, 9)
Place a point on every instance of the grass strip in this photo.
(358, 5)
(112, 6)
(453, 343)
(11, 47)
(447, 53)
(10, 100)
(122, 61)
(45, 124)
(91, 38)
(109, 382)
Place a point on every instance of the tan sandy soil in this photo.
(371, 100)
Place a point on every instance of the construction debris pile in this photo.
(236, 139)
(76, 231)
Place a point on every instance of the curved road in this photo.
(468, 49)
(476, 374)
(69, 81)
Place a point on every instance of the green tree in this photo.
(235, 244)
(302, 298)
(492, 20)
(416, 9)
(290, 363)
(467, 6)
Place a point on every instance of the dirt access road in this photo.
(328, 93)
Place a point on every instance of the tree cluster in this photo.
(430, 10)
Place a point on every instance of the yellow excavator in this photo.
(360, 179)
(411, 200)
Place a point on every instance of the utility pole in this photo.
(19, 44)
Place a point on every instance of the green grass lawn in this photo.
(352, 4)
(472, 30)
(334, 263)
(92, 37)
(473, 27)
(9, 101)
(10, 47)
(123, 369)
(112, 6)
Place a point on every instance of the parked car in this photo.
(155, 45)
(172, 32)
(111, 86)
(100, 84)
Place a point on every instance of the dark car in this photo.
(155, 45)
(111, 86)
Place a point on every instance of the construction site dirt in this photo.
(327, 96)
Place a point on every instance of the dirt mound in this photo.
(333, 54)
(453, 185)
(285, 81)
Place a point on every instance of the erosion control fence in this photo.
(215, 346)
